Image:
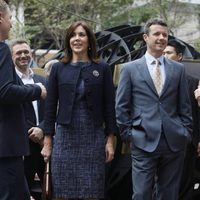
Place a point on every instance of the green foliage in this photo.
(197, 44)
(49, 19)
(14, 2)
(172, 11)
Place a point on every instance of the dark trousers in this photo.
(33, 164)
(188, 178)
(163, 164)
(13, 184)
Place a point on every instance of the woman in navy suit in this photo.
(84, 117)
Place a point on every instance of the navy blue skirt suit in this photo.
(84, 116)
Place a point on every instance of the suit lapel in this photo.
(169, 68)
(19, 81)
(36, 79)
(143, 69)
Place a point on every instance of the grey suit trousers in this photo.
(166, 178)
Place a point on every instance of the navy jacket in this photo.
(30, 114)
(29, 110)
(99, 94)
(13, 135)
(193, 84)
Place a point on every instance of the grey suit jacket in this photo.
(142, 115)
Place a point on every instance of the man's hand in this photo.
(198, 149)
(36, 134)
(197, 95)
(43, 90)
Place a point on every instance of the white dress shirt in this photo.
(149, 59)
(29, 80)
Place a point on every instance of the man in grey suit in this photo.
(154, 116)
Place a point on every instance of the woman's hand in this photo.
(197, 95)
(109, 148)
(47, 148)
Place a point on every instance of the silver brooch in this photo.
(95, 73)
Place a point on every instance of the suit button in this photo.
(89, 92)
(87, 79)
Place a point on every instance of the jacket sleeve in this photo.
(43, 80)
(109, 102)
(184, 105)
(11, 91)
(123, 110)
(51, 103)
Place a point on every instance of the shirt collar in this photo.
(150, 58)
(22, 75)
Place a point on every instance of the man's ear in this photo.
(180, 56)
(145, 36)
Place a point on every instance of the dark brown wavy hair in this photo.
(92, 49)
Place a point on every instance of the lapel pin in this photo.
(95, 73)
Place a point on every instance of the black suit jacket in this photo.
(193, 84)
(13, 136)
(30, 114)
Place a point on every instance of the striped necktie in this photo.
(156, 76)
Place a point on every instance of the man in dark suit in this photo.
(34, 111)
(174, 50)
(154, 114)
(13, 136)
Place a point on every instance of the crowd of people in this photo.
(70, 118)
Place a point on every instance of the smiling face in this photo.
(156, 39)
(21, 55)
(79, 43)
(5, 24)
